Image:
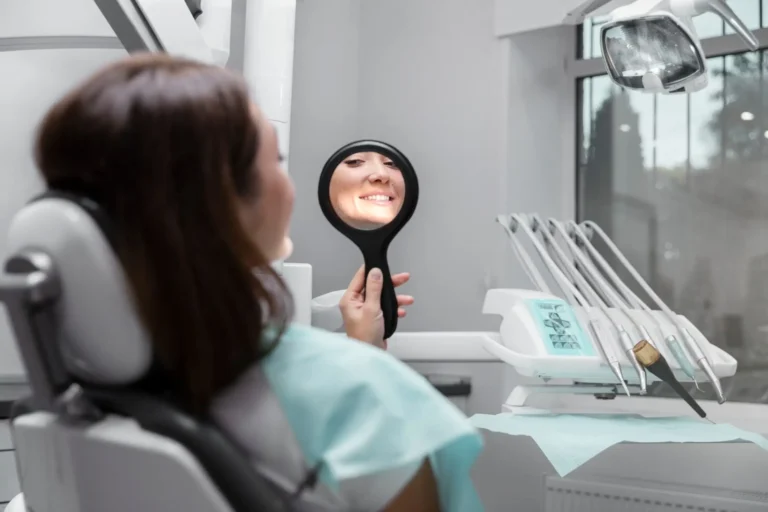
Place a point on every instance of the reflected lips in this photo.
(380, 199)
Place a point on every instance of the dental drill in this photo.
(578, 299)
(594, 322)
(645, 351)
(693, 347)
(677, 350)
(615, 302)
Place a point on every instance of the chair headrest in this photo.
(100, 336)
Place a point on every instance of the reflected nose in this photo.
(380, 174)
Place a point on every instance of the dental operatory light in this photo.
(652, 45)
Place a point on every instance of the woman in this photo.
(189, 172)
(367, 190)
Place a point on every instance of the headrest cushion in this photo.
(101, 337)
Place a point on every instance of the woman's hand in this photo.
(361, 306)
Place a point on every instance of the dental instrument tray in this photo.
(596, 335)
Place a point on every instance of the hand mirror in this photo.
(368, 191)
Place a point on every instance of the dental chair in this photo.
(93, 436)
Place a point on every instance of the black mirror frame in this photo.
(373, 243)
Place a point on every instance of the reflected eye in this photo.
(391, 165)
(354, 162)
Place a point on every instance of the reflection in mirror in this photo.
(367, 190)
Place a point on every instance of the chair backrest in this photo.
(84, 347)
(98, 334)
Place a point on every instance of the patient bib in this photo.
(356, 412)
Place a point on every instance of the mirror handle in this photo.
(388, 294)
(389, 306)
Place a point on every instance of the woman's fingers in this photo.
(405, 300)
(357, 285)
(400, 279)
(402, 301)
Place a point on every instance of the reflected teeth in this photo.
(377, 198)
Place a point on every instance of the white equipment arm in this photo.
(195, 29)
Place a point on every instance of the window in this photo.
(680, 183)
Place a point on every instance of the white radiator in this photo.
(570, 495)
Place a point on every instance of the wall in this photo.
(516, 16)
(323, 118)
(73, 18)
(32, 81)
(486, 122)
(541, 137)
(432, 84)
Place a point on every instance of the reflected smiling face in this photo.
(367, 190)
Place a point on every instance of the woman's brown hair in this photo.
(167, 147)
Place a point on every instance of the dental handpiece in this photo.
(652, 359)
(629, 348)
(670, 377)
(580, 299)
(601, 284)
(693, 347)
(677, 352)
(685, 364)
(671, 341)
(703, 363)
(610, 356)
